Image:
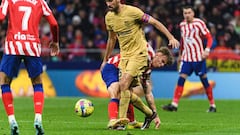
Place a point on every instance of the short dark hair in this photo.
(187, 7)
(167, 52)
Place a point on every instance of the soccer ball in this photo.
(84, 107)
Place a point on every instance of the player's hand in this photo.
(174, 43)
(157, 122)
(54, 48)
(205, 53)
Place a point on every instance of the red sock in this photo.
(7, 99)
(210, 95)
(38, 100)
(113, 109)
(130, 113)
(177, 94)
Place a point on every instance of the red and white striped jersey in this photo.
(192, 35)
(22, 36)
(151, 52)
(116, 58)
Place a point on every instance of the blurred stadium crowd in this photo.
(83, 34)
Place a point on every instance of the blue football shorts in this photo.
(188, 68)
(10, 65)
(110, 74)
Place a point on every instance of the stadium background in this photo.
(83, 40)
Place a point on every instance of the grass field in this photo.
(191, 119)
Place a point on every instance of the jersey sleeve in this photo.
(45, 8)
(51, 20)
(139, 15)
(3, 9)
(203, 28)
(107, 19)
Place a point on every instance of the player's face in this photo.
(113, 5)
(188, 14)
(159, 60)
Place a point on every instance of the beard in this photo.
(113, 9)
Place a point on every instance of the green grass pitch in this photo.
(59, 118)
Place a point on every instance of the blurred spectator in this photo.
(237, 48)
(70, 33)
(69, 12)
(78, 51)
(154, 40)
(93, 53)
(222, 47)
(63, 45)
(45, 40)
(213, 32)
(237, 25)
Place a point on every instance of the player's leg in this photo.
(9, 68)
(113, 104)
(185, 70)
(125, 95)
(135, 68)
(209, 93)
(133, 123)
(201, 71)
(124, 84)
(34, 68)
(131, 68)
(110, 77)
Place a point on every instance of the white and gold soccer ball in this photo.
(84, 107)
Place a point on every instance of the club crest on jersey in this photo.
(127, 23)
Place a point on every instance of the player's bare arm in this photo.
(151, 103)
(172, 41)
(112, 38)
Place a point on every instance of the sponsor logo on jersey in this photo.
(20, 36)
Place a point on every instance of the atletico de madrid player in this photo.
(22, 43)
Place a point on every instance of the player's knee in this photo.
(38, 88)
(124, 85)
(36, 80)
(204, 76)
(5, 88)
(113, 93)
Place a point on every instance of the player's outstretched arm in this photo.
(172, 41)
(151, 103)
(112, 38)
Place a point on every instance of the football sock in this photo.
(113, 108)
(138, 103)
(38, 117)
(38, 98)
(7, 99)
(123, 104)
(210, 96)
(208, 89)
(130, 113)
(11, 119)
(178, 91)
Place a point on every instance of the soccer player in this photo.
(110, 74)
(193, 56)
(124, 22)
(22, 43)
